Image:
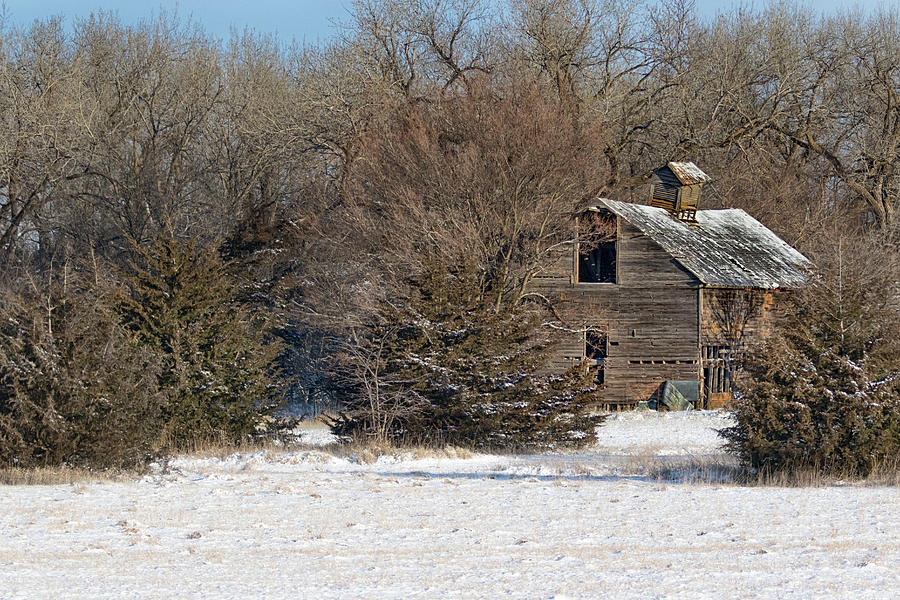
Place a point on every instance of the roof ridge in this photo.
(727, 248)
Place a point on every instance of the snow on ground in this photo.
(313, 433)
(663, 433)
(308, 524)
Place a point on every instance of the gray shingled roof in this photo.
(725, 248)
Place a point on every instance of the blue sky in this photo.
(305, 20)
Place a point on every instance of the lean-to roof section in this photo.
(724, 248)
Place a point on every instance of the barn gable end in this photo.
(685, 296)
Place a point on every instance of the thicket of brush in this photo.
(102, 374)
(192, 230)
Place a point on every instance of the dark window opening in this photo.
(597, 248)
(595, 345)
(595, 351)
(598, 265)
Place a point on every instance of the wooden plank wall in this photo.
(651, 314)
(655, 323)
(757, 327)
(753, 317)
(690, 196)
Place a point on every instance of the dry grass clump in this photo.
(700, 470)
(885, 474)
(54, 475)
(789, 477)
(420, 452)
(726, 469)
(882, 474)
(367, 452)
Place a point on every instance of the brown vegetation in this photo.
(384, 200)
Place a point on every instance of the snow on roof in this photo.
(688, 173)
(724, 248)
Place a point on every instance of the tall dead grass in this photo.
(701, 470)
(884, 474)
(726, 469)
(368, 451)
(55, 476)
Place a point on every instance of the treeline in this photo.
(193, 231)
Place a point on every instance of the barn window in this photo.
(595, 351)
(596, 248)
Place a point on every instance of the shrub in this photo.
(801, 408)
(452, 207)
(216, 369)
(444, 370)
(824, 393)
(74, 388)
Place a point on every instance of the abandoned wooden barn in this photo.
(663, 295)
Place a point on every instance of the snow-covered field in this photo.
(306, 524)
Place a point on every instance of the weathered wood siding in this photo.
(555, 282)
(654, 333)
(731, 321)
(689, 196)
(755, 323)
(651, 315)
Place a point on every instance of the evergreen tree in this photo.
(217, 370)
(804, 404)
(74, 387)
(824, 393)
(448, 366)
